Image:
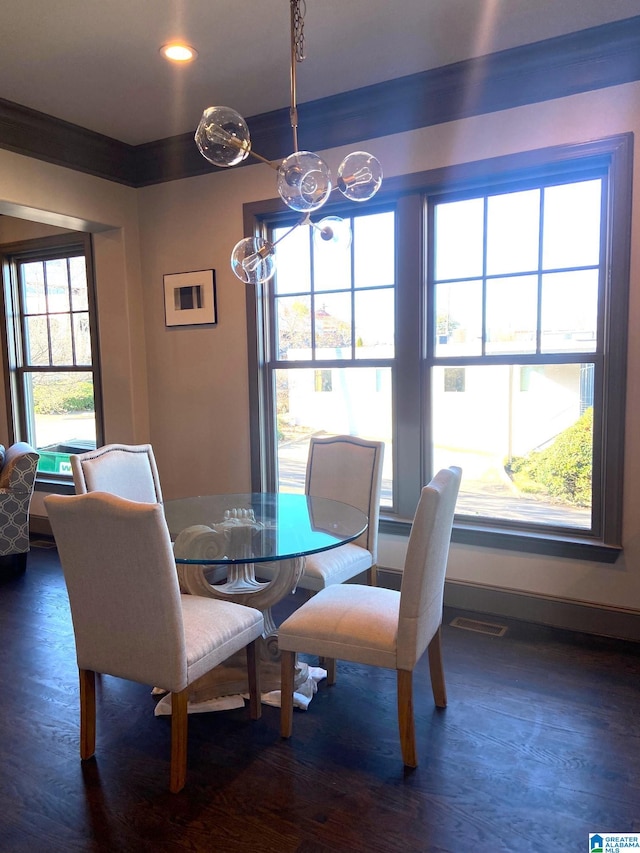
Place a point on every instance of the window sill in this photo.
(54, 486)
(573, 548)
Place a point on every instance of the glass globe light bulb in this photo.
(359, 176)
(222, 136)
(332, 232)
(304, 181)
(253, 260)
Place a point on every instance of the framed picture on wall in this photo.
(190, 298)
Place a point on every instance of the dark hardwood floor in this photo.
(539, 746)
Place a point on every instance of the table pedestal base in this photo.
(213, 694)
(229, 679)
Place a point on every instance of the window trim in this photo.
(409, 193)
(10, 315)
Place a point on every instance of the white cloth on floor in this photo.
(301, 698)
(220, 703)
(304, 693)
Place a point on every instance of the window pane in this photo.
(82, 339)
(57, 285)
(333, 325)
(32, 276)
(36, 341)
(459, 230)
(512, 311)
(523, 438)
(374, 250)
(454, 380)
(293, 271)
(331, 266)
(293, 331)
(63, 415)
(60, 330)
(352, 401)
(570, 311)
(572, 225)
(458, 311)
(513, 228)
(374, 323)
(78, 276)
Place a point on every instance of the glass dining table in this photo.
(221, 541)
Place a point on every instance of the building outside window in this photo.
(477, 319)
(51, 341)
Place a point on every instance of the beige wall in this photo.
(55, 196)
(190, 398)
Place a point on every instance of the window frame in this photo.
(412, 366)
(13, 335)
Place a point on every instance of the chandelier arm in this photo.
(262, 159)
(302, 221)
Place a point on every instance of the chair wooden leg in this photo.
(87, 713)
(372, 575)
(330, 666)
(179, 727)
(436, 671)
(405, 717)
(253, 669)
(287, 675)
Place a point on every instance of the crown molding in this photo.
(596, 58)
(43, 137)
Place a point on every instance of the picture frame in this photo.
(190, 298)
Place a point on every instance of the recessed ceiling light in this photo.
(178, 52)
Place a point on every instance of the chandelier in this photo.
(304, 179)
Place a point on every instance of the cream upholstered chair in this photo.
(18, 466)
(348, 469)
(129, 618)
(127, 470)
(382, 627)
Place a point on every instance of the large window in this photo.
(333, 329)
(51, 345)
(516, 282)
(478, 318)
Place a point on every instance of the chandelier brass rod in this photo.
(293, 111)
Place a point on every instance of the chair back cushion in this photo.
(128, 471)
(123, 589)
(425, 566)
(348, 469)
(16, 489)
(19, 469)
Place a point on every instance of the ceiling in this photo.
(97, 64)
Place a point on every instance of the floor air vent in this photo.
(479, 627)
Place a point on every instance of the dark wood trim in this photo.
(571, 547)
(583, 61)
(499, 603)
(616, 321)
(616, 622)
(35, 134)
(408, 364)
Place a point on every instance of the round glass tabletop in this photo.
(258, 527)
